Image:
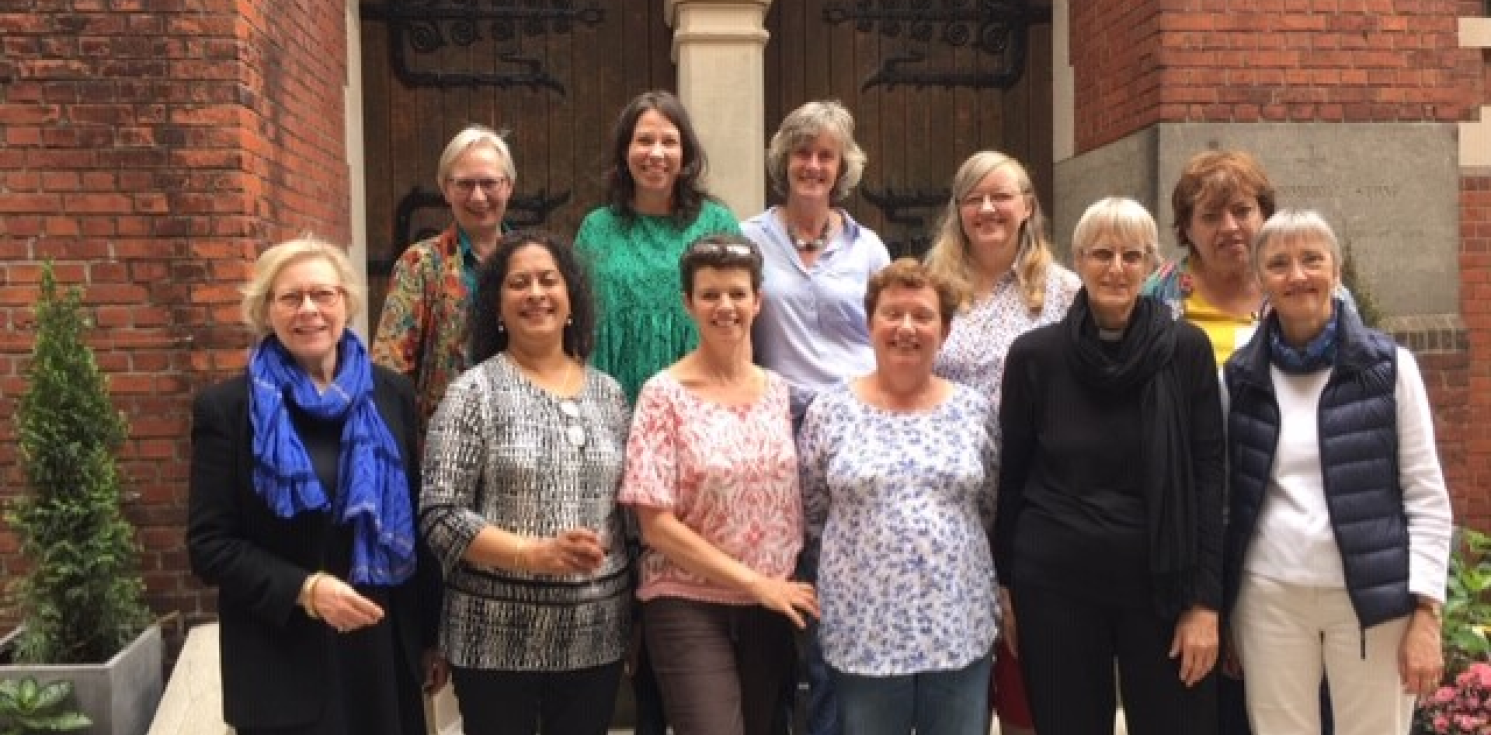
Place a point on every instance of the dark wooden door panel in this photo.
(554, 73)
(929, 83)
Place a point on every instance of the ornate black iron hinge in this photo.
(997, 28)
(424, 27)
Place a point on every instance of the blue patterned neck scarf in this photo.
(1318, 354)
(372, 488)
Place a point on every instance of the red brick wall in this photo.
(1473, 501)
(151, 148)
(1138, 64)
(1141, 63)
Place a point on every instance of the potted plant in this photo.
(28, 707)
(81, 597)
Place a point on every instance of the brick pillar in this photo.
(151, 150)
(1475, 278)
(1354, 109)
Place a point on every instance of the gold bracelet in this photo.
(308, 595)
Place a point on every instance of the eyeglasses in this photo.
(996, 199)
(731, 249)
(574, 433)
(1105, 257)
(467, 187)
(323, 297)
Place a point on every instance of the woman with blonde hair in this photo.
(993, 242)
(304, 498)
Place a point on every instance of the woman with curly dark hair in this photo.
(522, 465)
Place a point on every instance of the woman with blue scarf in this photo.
(1338, 537)
(304, 484)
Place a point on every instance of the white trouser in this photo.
(1288, 635)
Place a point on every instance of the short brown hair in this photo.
(721, 251)
(910, 273)
(1211, 178)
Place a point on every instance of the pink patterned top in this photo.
(727, 472)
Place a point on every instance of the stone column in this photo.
(718, 46)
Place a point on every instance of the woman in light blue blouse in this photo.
(811, 329)
(812, 324)
(898, 490)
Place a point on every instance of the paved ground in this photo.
(193, 700)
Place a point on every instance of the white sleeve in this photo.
(1426, 501)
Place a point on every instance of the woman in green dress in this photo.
(657, 205)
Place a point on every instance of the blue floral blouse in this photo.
(901, 504)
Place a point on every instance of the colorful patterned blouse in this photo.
(642, 326)
(422, 330)
(727, 472)
(901, 504)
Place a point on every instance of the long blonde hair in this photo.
(949, 255)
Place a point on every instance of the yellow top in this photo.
(1226, 331)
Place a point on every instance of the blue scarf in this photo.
(1318, 354)
(372, 487)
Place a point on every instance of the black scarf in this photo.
(1144, 361)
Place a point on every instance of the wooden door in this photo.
(929, 82)
(554, 73)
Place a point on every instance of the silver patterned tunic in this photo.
(502, 451)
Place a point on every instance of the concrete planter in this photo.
(120, 696)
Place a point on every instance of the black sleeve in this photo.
(1018, 436)
(218, 544)
(1208, 448)
(429, 583)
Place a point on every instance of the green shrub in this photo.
(82, 598)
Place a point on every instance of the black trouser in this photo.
(576, 702)
(1068, 648)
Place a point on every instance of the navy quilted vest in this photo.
(1358, 458)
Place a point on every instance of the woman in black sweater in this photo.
(1109, 523)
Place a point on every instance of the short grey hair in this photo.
(1121, 219)
(1295, 225)
(803, 125)
(257, 292)
(471, 137)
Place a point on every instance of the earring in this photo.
(500, 327)
(569, 321)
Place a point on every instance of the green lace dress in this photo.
(642, 326)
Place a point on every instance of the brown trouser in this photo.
(722, 668)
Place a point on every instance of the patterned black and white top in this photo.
(502, 451)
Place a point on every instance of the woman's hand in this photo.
(1420, 659)
(786, 596)
(437, 671)
(342, 607)
(576, 551)
(1232, 663)
(1195, 642)
(1007, 613)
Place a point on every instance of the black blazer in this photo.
(274, 657)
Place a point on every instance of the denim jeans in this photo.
(930, 702)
